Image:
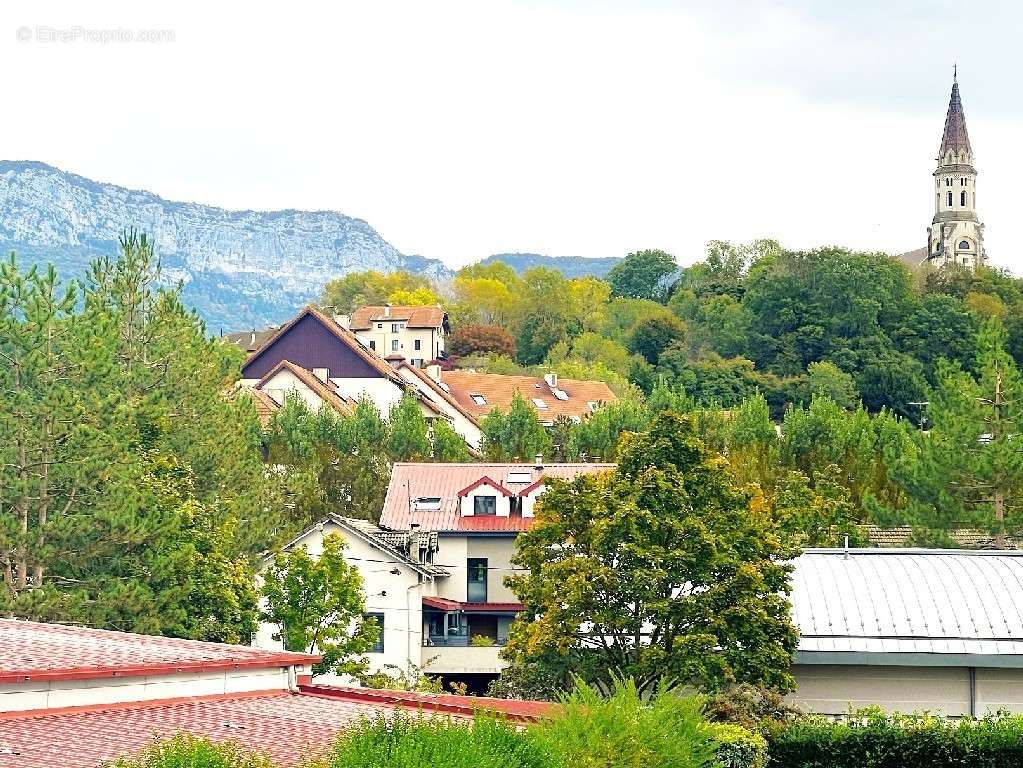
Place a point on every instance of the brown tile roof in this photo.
(411, 481)
(955, 138)
(904, 536)
(498, 390)
(252, 340)
(913, 258)
(266, 406)
(326, 391)
(414, 317)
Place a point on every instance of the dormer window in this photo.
(477, 398)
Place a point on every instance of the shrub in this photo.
(404, 741)
(184, 751)
(482, 641)
(753, 707)
(739, 748)
(871, 739)
(591, 730)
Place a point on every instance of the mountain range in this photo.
(239, 269)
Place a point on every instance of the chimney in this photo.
(538, 465)
(345, 321)
(433, 371)
(387, 310)
(413, 542)
(322, 374)
(252, 339)
(551, 379)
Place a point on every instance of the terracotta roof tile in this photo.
(498, 391)
(415, 317)
(51, 651)
(412, 481)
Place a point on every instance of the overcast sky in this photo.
(461, 129)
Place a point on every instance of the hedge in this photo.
(871, 739)
(738, 748)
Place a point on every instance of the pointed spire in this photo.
(955, 137)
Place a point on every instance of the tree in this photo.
(662, 570)
(968, 468)
(408, 436)
(481, 339)
(318, 606)
(652, 336)
(827, 379)
(642, 275)
(516, 435)
(538, 334)
(821, 515)
(344, 295)
(597, 438)
(448, 445)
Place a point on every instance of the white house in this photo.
(434, 568)
(413, 334)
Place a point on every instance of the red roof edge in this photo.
(444, 604)
(514, 709)
(485, 480)
(283, 659)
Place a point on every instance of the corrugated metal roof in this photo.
(411, 481)
(910, 601)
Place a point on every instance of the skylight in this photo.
(539, 403)
(478, 398)
(519, 476)
(560, 394)
(593, 405)
(428, 503)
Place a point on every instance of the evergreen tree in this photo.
(448, 445)
(514, 436)
(408, 437)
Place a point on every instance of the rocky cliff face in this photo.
(239, 269)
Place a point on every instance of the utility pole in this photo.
(999, 500)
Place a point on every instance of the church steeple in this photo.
(955, 139)
(956, 235)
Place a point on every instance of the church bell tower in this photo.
(956, 235)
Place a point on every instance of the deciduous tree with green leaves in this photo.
(664, 570)
(318, 605)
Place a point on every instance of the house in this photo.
(434, 567)
(72, 697)
(909, 630)
(413, 334)
(324, 363)
(250, 341)
(313, 348)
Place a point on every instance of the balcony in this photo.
(460, 641)
(462, 660)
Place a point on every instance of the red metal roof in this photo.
(444, 604)
(514, 709)
(411, 481)
(32, 651)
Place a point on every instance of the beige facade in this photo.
(953, 691)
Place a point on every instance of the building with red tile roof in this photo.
(434, 568)
(75, 697)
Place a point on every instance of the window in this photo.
(477, 581)
(964, 245)
(478, 398)
(962, 182)
(560, 394)
(484, 505)
(372, 345)
(593, 405)
(949, 199)
(394, 345)
(962, 199)
(380, 326)
(395, 327)
(539, 403)
(428, 503)
(418, 344)
(378, 646)
(520, 476)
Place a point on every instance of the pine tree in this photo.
(408, 436)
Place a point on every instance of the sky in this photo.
(465, 128)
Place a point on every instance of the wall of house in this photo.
(383, 392)
(498, 550)
(463, 426)
(833, 689)
(114, 690)
(430, 340)
(310, 345)
(398, 596)
(529, 501)
(285, 382)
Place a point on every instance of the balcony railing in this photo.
(459, 641)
